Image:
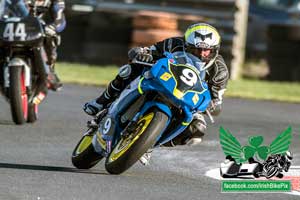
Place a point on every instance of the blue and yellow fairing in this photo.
(166, 75)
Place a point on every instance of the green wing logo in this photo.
(282, 143)
(240, 154)
(231, 146)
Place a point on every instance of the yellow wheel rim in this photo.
(84, 144)
(124, 144)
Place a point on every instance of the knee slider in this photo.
(125, 71)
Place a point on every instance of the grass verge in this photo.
(251, 89)
(86, 74)
(264, 90)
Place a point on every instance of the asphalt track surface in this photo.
(35, 158)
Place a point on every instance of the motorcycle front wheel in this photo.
(129, 149)
(18, 95)
(84, 155)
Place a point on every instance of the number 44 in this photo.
(11, 34)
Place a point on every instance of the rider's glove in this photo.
(140, 54)
(50, 30)
(215, 107)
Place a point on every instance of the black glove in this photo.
(215, 106)
(140, 54)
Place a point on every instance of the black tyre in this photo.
(18, 95)
(32, 113)
(84, 155)
(129, 150)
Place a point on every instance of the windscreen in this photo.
(185, 58)
(187, 72)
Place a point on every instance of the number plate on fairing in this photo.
(14, 31)
(107, 128)
(21, 30)
(187, 79)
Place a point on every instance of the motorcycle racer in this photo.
(201, 40)
(15, 7)
(52, 11)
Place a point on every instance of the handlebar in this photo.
(134, 61)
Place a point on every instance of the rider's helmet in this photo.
(39, 3)
(13, 8)
(203, 41)
(38, 6)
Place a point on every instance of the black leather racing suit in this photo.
(217, 75)
(53, 14)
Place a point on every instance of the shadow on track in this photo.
(6, 122)
(50, 168)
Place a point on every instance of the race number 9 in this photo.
(10, 31)
(189, 77)
(106, 126)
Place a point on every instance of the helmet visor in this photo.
(203, 53)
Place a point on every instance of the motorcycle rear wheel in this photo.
(128, 150)
(84, 155)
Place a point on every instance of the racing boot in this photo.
(113, 90)
(54, 82)
(197, 129)
(107, 97)
(192, 135)
(145, 159)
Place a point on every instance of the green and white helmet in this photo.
(202, 36)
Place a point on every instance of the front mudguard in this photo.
(17, 62)
(175, 131)
(164, 108)
(163, 138)
(158, 105)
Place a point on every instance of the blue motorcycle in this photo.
(155, 108)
